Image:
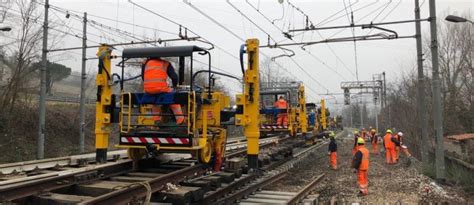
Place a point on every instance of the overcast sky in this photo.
(329, 64)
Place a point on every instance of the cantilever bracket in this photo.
(380, 28)
(283, 55)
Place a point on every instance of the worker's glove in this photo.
(329, 153)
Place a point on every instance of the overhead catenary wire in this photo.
(101, 27)
(231, 32)
(358, 20)
(298, 65)
(351, 22)
(309, 23)
(64, 10)
(308, 52)
(131, 24)
(393, 9)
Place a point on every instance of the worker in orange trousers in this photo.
(332, 151)
(388, 142)
(360, 163)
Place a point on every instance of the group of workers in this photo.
(393, 144)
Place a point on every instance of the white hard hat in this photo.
(400, 134)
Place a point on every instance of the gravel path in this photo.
(387, 183)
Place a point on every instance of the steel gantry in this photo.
(375, 86)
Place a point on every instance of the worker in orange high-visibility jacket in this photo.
(282, 117)
(155, 73)
(332, 151)
(389, 147)
(360, 163)
(356, 137)
(374, 141)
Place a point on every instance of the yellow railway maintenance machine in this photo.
(269, 113)
(203, 133)
(294, 94)
(247, 114)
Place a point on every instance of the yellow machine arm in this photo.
(103, 104)
(249, 103)
(303, 122)
(323, 114)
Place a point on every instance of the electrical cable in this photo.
(63, 10)
(351, 22)
(235, 35)
(329, 20)
(333, 52)
(261, 29)
(292, 40)
(388, 4)
(398, 4)
(359, 20)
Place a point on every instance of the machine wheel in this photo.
(136, 153)
(204, 154)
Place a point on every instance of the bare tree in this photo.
(25, 53)
(455, 63)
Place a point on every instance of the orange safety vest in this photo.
(387, 139)
(154, 78)
(364, 165)
(281, 104)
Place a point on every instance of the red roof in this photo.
(462, 137)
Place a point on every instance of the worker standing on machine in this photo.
(332, 151)
(388, 142)
(356, 137)
(155, 73)
(360, 163)
(374, 141)
(282, 118)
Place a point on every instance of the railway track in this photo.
(35, 169)
(258, 196)
(97, 184)
(248, 189)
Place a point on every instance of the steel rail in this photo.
(126, 195)
(129, 194)
(53, 181)
(26, 166)
(28, 188)
(230, 199)
(209, 199)
(305, 191)
(263, 145)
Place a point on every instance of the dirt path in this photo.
(387, 183)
